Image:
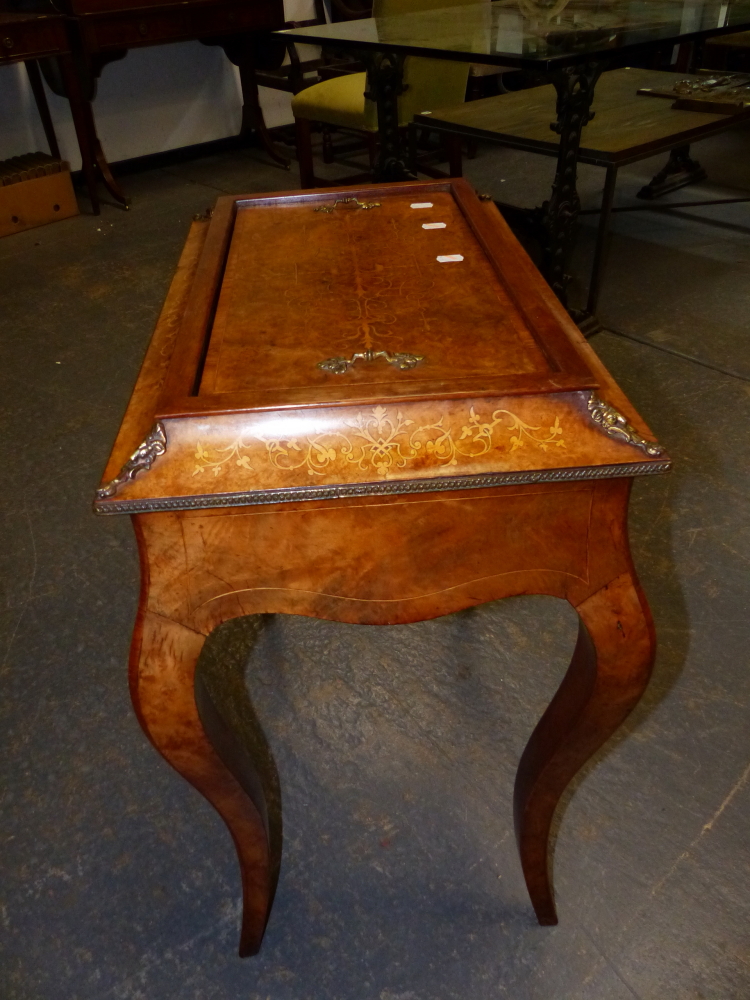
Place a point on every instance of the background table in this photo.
(102, 31)
(627, 128)
(569, 45)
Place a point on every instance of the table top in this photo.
(530, 35)
(375, 340)
(625, 126)
(9, 17)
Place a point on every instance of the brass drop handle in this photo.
(338, 366)
(348, 201)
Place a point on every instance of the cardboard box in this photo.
(34, 190)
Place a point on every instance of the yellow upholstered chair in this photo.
(431, 83)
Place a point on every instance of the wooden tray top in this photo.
(316, 345)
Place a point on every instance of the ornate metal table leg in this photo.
(575, 92)
(385, 72)
(679, 171)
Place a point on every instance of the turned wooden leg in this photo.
(104, 169)
(83, 122)
(455, 165)
(162, 682)
(327, 144)
(37, 88)
(304, 152)
(609, 671)
(252, 112)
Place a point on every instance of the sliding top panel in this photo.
(365, 296)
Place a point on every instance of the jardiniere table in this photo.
(368, 406)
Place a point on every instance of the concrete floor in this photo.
(396, 747)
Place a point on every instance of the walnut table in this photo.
(368, 406)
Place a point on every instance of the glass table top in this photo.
(529, 34)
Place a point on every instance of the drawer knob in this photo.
(143, 29)
(8, 43)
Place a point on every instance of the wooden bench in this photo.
(626, 128)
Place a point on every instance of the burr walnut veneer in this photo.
(368, 406)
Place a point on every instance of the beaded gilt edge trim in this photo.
(391, 488)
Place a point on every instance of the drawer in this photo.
(31, 38)
(181, 24)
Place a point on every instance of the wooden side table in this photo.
(367, 406)
(28, 37)
(102, 31)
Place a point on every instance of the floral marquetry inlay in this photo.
(383, 440)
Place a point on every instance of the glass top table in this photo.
(528, 35)
(568, 42)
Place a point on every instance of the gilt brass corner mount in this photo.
(614, 425)
(142, 458)
(339, 366)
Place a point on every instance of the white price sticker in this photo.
(433, 225)
(421, 204)
(448, 258)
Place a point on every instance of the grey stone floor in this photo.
(396, 747)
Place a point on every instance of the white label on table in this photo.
(421, 204)
(449, 258)
(433, 225)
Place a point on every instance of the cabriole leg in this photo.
(163, 689)
(609, 671)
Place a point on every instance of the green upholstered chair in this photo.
(431, 83)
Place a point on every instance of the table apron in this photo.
(387, 562)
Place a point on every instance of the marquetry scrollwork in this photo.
(383, 440)
(614, 424)
(142, 459)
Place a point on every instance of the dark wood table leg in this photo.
(82, 119)
(558, 216)
(103, 167)
(239, 50)
(37, 88)
(385, 75)
(94, 68)
(609, 671)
